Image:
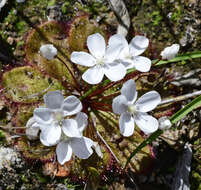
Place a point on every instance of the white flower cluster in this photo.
(57, 127)
(55, 122)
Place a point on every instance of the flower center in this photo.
(58, 116)
(100, 61)
(64, 137)
(132, 109)
(128, 56)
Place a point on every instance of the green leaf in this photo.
(27, 85)
(187, 109)
(34, 150)
(79, 31)
(182, 57)
(108, 126)
(54, 33)
(24, 112)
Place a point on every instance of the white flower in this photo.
(2, 3)
(67, 133)
(32, 129)
(131, 111)
(170, 52)
(48, 51)
(164, 123)
(101, 60)
(129, 55)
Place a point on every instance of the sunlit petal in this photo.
(138, 45)
(96, 45)
(82, 147)
(83, 58)
(129, 91)
(126, 124)
(71, 105)
(53, 99)
(93, 75)
(148, 101)
(119, 104)
(64, 152)
(146, 123)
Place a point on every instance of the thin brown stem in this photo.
(108, 96)
(71, 73)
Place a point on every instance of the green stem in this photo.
(183, 57)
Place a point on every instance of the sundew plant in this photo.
(77, 104)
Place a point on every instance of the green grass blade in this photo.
(182, 57)
(188, 108)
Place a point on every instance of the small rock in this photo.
(8, 157)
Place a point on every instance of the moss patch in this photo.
(25, 84)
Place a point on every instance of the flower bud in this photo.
(48, 51)
(32, 129)
(164, 123)
(170, 52)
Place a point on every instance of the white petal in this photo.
(83, 58)
(115, 71)
(2, 3)
(82, 147)
(64, 152)
(53, 99)
(82, 121)
(117, 39)
(48, 51)
(141, 63)
(127, 63)
(97, 148)
(71, 105)
(146, 123)
(170, 52)
(70, 128)
(119, 104)
(126, 124)
(138, 45)
(129, 91)
(148, 101)
(96, 45)
(50, 135)
(112, 53)
(43, 116)
(93, 75)
(32, 129)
